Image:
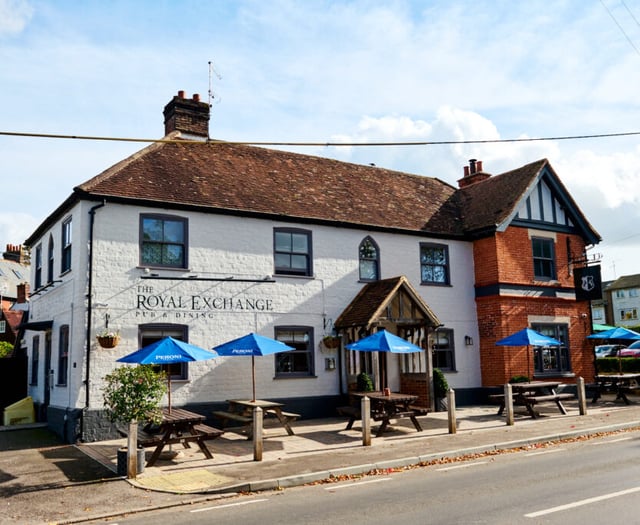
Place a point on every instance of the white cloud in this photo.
(15, 227)
(14, 16)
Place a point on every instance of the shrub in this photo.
(365, 384)
(5, 348)
(440, 384)
(133, 393)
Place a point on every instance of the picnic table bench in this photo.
(532, 393)
(241, 411)
(384, 408)
(178, 426)
(619, 384)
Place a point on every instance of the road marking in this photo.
(607, 441)
(550, 451)
(357, 483)
(582, 502)
(237, 504)
(466, 465)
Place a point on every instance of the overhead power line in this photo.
(333, 144)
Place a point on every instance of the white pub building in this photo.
(206, 241)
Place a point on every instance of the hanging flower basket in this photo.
(330, 341)
(108, 340)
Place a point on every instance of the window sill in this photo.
(293, 276)
(295, 376)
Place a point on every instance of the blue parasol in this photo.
(167, 351)
(527, 337)
(384, 341)
(253, 345)
(617, 333)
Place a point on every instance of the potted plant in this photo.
(108, 338)
(132, 394)
(364, 382)
(331, 341)
(440, 389)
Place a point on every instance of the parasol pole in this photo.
(169, 390)
(253, 376)
(528, 363)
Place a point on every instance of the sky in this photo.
(331, 71)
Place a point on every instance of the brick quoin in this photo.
(506, 258)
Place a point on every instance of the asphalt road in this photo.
(593, 481)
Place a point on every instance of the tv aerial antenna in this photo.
(212, 72)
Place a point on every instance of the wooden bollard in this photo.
(582, 396)
(132, 450)
(508, 403)
(257, 434)
(365, 413)
(451, 408)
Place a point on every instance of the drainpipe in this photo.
(92, 214)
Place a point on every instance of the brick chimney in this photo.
(188, 116)
(22, 292)
(473, 174)
(16, 253)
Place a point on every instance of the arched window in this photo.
(369, 256)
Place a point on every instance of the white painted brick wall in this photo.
(230, 246)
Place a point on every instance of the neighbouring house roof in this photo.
(626, 281)
(219, 177)
(370, 305)
(12, 274)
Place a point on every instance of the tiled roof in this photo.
(246, 180)
(487, 204)
(253, 180)
(626, 281)
(373, 298)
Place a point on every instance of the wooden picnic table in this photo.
(384, 408)
(529, 394)
(241, 410)
(178, 426)
(620, 384)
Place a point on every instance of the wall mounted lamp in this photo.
(468, 340)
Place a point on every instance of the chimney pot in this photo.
(466, 171)
(181, 93)
(478, 165)
(472, 166)
(196, 97)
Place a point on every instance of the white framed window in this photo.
(544, 258)
(629, 314)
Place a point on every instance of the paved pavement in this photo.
(44, 481)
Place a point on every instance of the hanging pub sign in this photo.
(588, 283)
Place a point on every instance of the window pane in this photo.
(152, 229)
(368, 270)
(173, 255)
(282, 260)
(173, 232)
(152, 254)
(298, 262)
(283, 242)
(299, 242)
